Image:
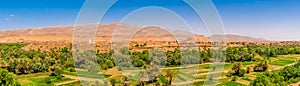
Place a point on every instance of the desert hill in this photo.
(238, 38)
(105, 32)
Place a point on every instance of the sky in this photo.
(268, 19)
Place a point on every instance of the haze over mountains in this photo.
(105, 32)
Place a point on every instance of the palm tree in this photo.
(171, 75)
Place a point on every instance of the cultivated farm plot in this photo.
(284, 60)
(275, 62)
(39, 80)
(202, 73)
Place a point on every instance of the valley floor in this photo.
(190, 74)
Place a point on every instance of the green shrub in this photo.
(234, 78)
(246, 78)
(6, 78)
(72, 70)
(242, 72)
(261, 66)
(47, 80)
(231, 83)
(229, 73)
(113, 82)
(58, 72)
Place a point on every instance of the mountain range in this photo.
(113, 31)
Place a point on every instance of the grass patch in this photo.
(53, 79)
(246, 78)
(205, 66)
(41, 81)
(162, 79)
(91, 75)
(282, 62)
(200, 83)
(29, 75)
(231, 83)
(224, 80)
(208, 66)
(247, 63)
(171, 66)
(199, 72)
(69, 73)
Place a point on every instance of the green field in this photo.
(41, 81)
(282, 62)
(231, 83)
(91, 75)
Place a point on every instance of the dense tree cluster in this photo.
(6, 79)
(20, 61)
(261, 66)
(283, 77)
(93, 61)
(236, 70)
(252, 52)
(161, 57)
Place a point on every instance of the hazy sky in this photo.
(269, 19)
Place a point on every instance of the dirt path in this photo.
(190, 82)
(80, 78)
(214, 72)
(187, 82)
(70, 76)
(65, 82)
(75, 79)
(295, 84)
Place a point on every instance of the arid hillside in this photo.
(145, 37)
(238, 38)
(104, 32)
